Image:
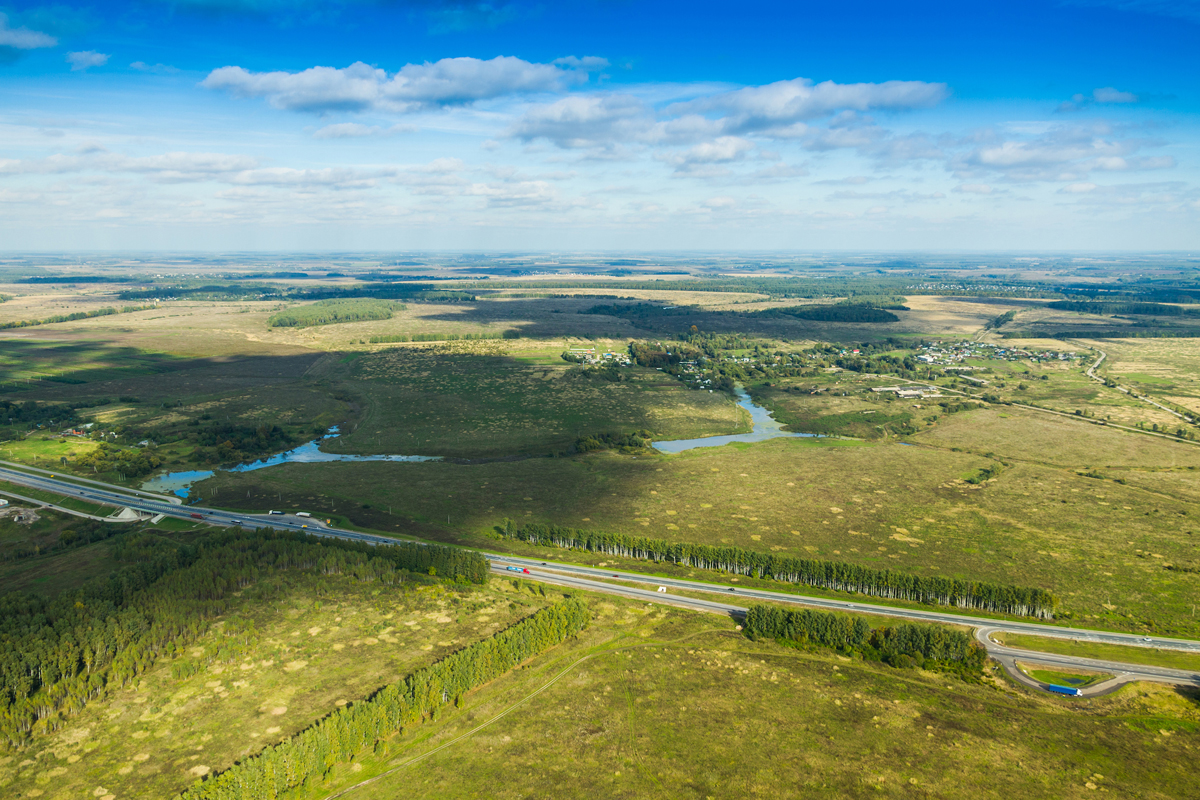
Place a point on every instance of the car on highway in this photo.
(1147, 639)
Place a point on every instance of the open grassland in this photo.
(1112, 553)
(58, 370)
(1167, 370)
(654, 702)
(291, 649)
(41, 301)
(464, 401)
(1153, 656)
(1025, 435)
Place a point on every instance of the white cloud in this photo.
(587, 121)
(974, 188)
(778, 105)
(359, 87)
(782, 110)
(355, 130)
(1062, 154)
(722, 150)
(1078, 188)
(86, 59)
(23, 38)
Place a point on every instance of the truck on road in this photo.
(1069, 691)
(196, 516)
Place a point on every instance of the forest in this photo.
(331, 312)
(904, 644)
(1122, 307)
(312, 752)
(836, 575)
(58, 654)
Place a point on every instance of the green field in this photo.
(1102, 547)
(1074, 679)
(1173, 659)
(656, 702)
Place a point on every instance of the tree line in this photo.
(904, 644)
(441, 337)
(58, 654)
(332, 312)
(75, 315)
(314, 751)
(1122, 307)
(837, 575)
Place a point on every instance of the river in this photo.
(180, 483)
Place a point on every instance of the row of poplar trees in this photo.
(837, 575)
(348, 731)
(902, 643)
(57, 654)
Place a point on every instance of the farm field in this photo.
(673, 703)
(1102, 547)
(304, 646)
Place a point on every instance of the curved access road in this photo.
(596, 580)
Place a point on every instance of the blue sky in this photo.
(600, 125)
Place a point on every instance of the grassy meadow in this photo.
(656, 702)
(314, 644)
(1108, 550)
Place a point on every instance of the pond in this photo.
(763, 427)
(179, 483)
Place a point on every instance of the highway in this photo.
(596, 579)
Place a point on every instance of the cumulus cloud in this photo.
(22, 38)
(721, 150)
(86, 59)
(974, 188)
(355, 130)
(583, 121)
(360, 87)
(1061, 154)
(782, 110)
(776, 106)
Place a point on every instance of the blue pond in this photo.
(180, 483)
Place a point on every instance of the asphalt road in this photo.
(580, 577)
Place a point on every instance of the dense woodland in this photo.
(58, 654)
(331, 312)
(348, 731)
(904, 644)
(1123, 307)
(837, 575)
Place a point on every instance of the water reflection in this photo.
(764, 427)
(179, 483)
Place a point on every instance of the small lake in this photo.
(179, 483)
(763, 427)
